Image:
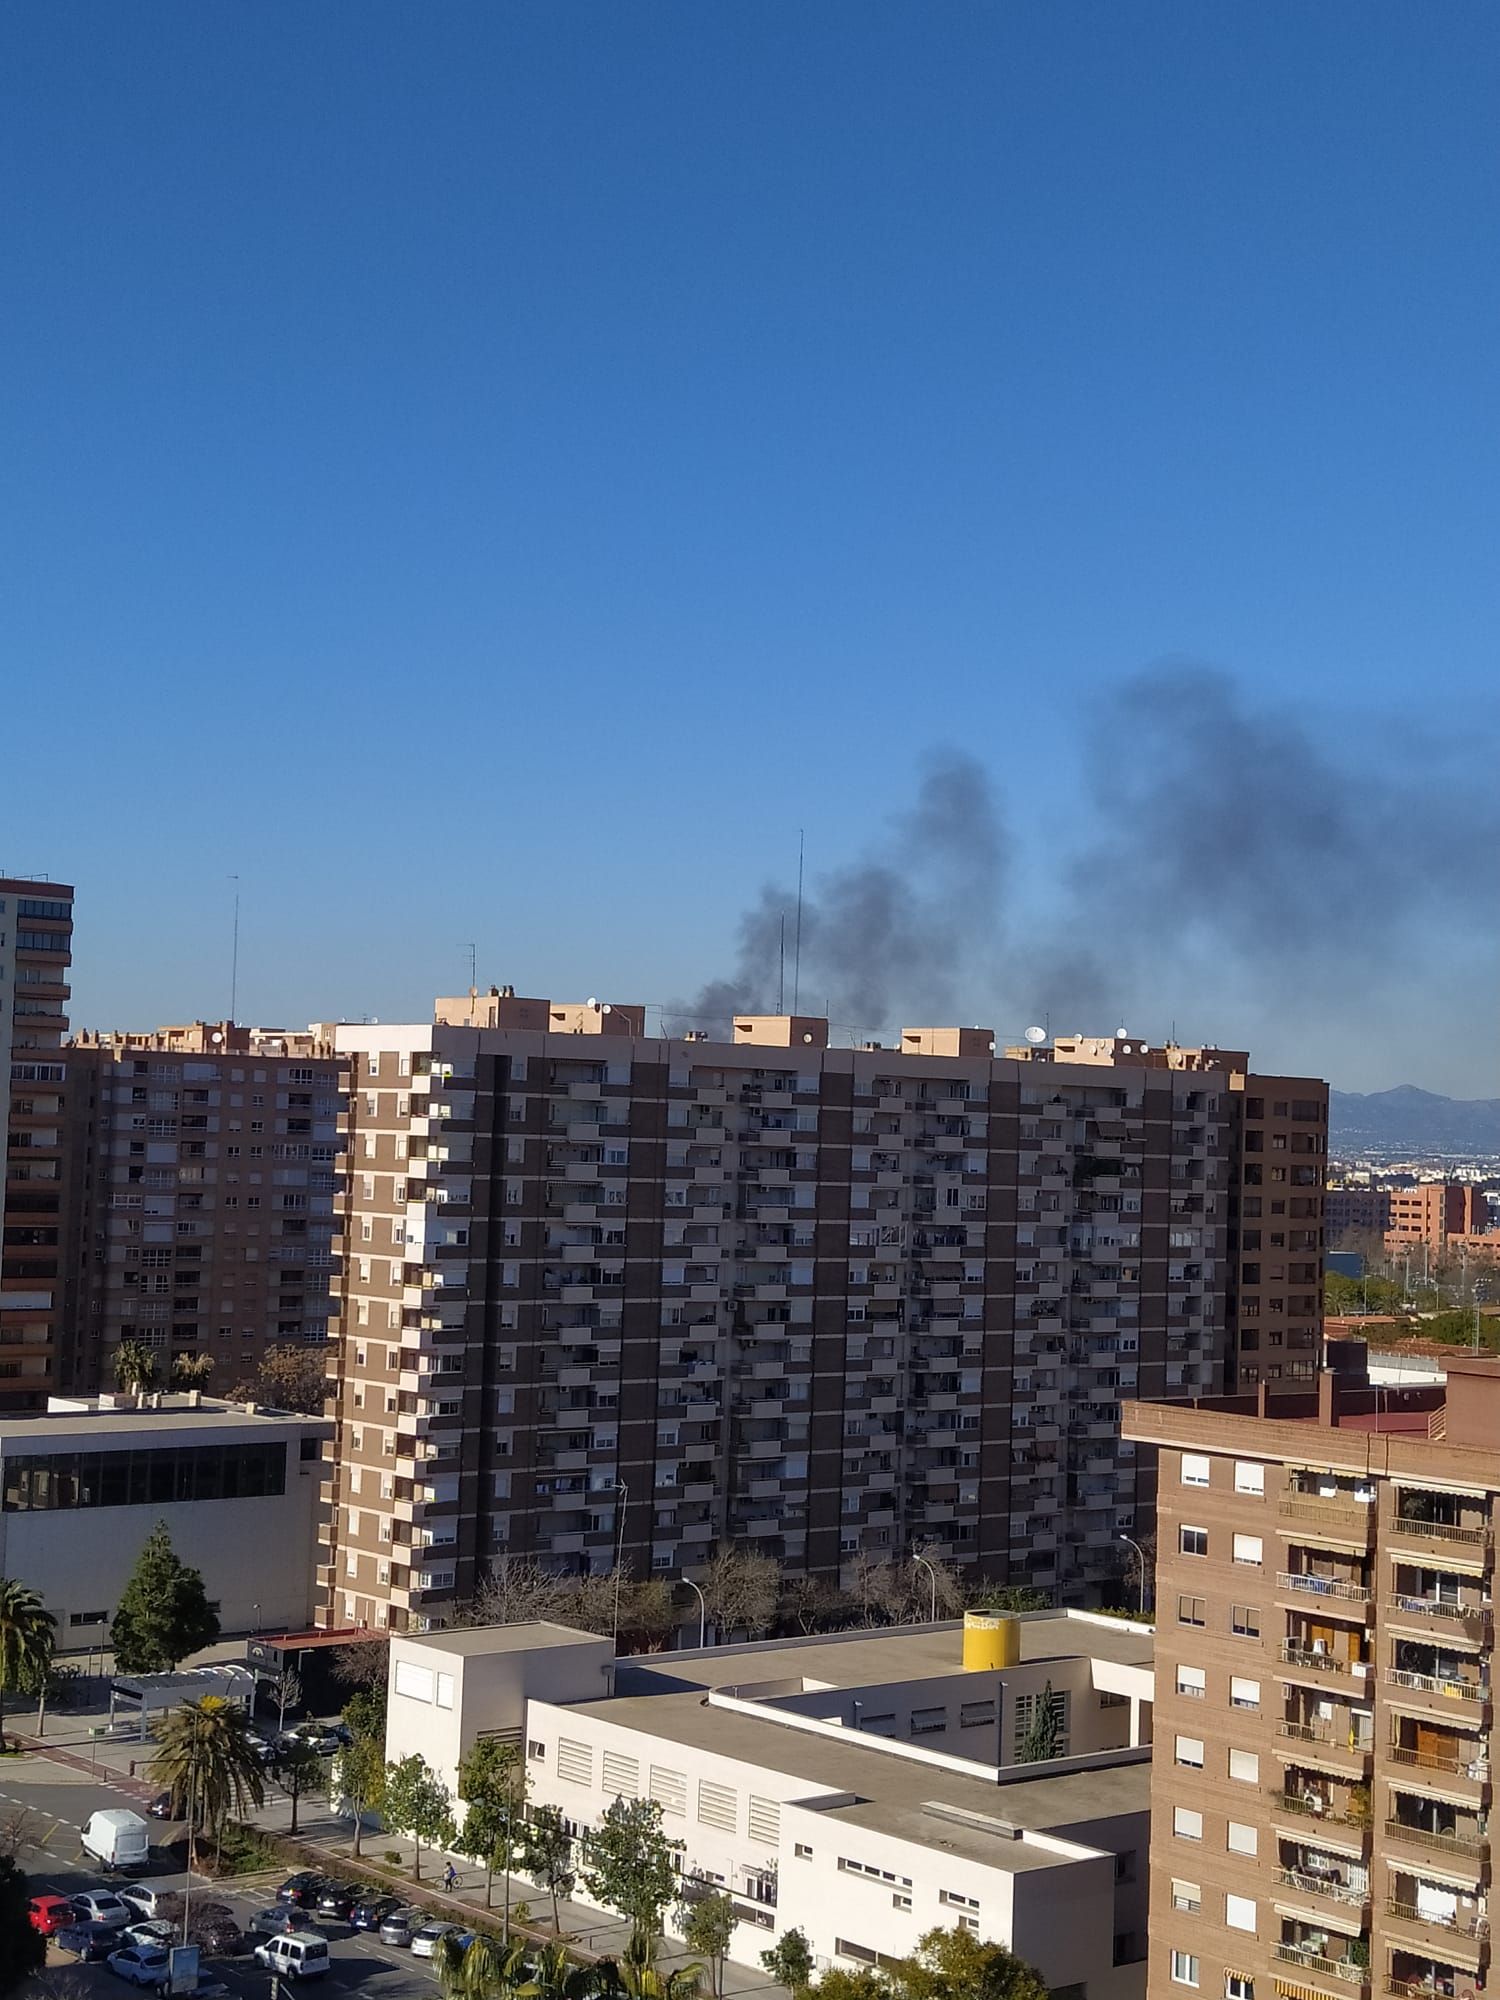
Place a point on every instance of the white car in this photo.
(141, 1964)
(103, 1906)
(149, 1900)
(424, 1942)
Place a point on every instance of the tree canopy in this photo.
(27, 1632)
(163, 1613)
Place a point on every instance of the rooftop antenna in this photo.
(797, 941)
(473, 951)
(234, 956)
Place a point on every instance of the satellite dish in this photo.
(1122, 1033)
(1036, 1036)
(606, 1008)
(217, 1035)
(592, 1002)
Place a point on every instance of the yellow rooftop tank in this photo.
(992, 1639)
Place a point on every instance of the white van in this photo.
(296, 1955)
(117, 1839)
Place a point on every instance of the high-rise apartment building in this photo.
(604, 1294)
(1321, 1787)
(1356, 1211)
(209, 1205)
(36, 938)
(1433, 1212)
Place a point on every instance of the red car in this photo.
(50, 1913)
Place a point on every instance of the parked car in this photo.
(151, 1930)
(337, 1899)
(302, 1889)
(141, 1964)
(214, 1928)
(264, 1748)
(298, 1955)
(279, 1918)
(102, 1906)
(148, 1899)
(161, 1806)
(89, 1943)
(316, 1737)
(48, 1914)
(424, 1942)
(400, 1926)
(370, 1912)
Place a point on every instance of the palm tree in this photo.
(643, 1980)
(135, 1366)
(205, 1757)
(484, 1970)
(554, 1976)
(26, 1634)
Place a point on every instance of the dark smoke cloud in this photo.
(1234, 855)
(907, 925)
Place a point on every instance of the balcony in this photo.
(1465, 1763)
(1327, 1742)
(1329, 1887)
(1346, 1969)
(1407, 1528)
(1304, 1658)
(1467, 1844)
(1445, 1689)
(1436, 1930)
(1468, 1620)
(1304, 1583)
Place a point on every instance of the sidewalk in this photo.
(68, 1742)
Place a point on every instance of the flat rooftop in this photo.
(890, 1793)
(868, 1659)
(472, 1641)
(71, 1417)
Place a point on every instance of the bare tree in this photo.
(883, 1590)
(517, 1591)
(741, 1589)
(363, 1663)
(288, 1691)
(951, 1591)
(811, 1603)
(17, 1823)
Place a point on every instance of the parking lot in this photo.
(45, 1806)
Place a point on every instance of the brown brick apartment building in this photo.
(212, 1161)
(604, 1292)
(1322, 1780)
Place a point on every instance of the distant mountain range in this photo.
(1409, 1122)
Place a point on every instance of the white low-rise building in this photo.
(862, 1787)
(240, 1490)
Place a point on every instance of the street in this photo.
(45, 1805)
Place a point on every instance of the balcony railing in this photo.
(1475, 1768)
(1323, 1885)
(1311, 1806)
(1350, 1512)
(1325, 1733)
(1440, 1531)
(1451, 1690)
(1474, 1618)
(1471, 1845)
(1324, 1586)
(1461, 1924)
(1297, 1655)
(1442, 1989)
(1331, 1968)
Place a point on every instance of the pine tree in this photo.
(1043, 1738)
(163, 1613)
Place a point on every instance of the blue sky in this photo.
(496, 472)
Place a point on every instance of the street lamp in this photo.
(927, 1565)
(702, 1612)
(1140, 1555)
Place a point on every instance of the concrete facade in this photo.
(1322, 1787)
(605, 1292)
(241, 1492)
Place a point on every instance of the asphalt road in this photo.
(45, 1806)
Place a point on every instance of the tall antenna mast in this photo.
(781, 980)
(473, 951)
(797, 942)
(234, 956)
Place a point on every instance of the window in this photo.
(1194, 1469)
(1190, 1611)
(1186, 1896)
(1242, 1839)
(1239, 1913)
(1184, 1968)
(1244, 1765)
(1190, 1752)
(929, 1721)
(1192, 1681)
(1186, 1824)
(1243, 1693)
(1244, 1621)
(1249, 1478)
(1238, 1986)
(955, 1901)
(802, 1852)
(1193, 1541)
(1249, 1549)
